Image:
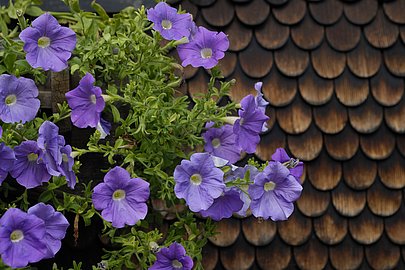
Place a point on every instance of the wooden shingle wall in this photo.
(333, 72)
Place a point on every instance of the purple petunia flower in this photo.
(250, 124)
(66, 167)
(104, 128)
(48, 44)
(7, 159)
(121, 198)
(29, 168)
(49, 141)
(21, 238)
(240, 172)
(274, 192)
(198, 181)
(261, 103)
(173, 257)
(296, 167)
(170, 24)
(86, 103)
(204, 50)
(18, 99)
(220, 142)
(1, 131)
(55, 226)
(224, 206)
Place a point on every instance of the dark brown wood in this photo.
(367, 117)
(344, 145)
(276, 255)
(366, 228)
(347, 255)
(394, 117)
(326, 12)
(378, 145)
(258, 232)
(279, 89)
(343, 36)
(330, 228)
(277, 2)
(347, 201)
(239, 256)
(228, 231)
(394, 226)
(383, 254)
(381, 32)
(209, 256)
(243, 86)
(392, 171)
(327, 62)
(401, 144)
(272, 34)
(314, 89)
(295, 118)
(219, 14)
(324, 172)
(351, 90)
(199, 84)
(313, 255)
(386, 88)
(189, 7)
(256, 61)
(394, 58)
(228, 63)
(383, 201)
(296, 230)
(313, 203)
(331, 118)
(253, 13)
(361, 12)
(203, 3)
(359, 172)
(270, 142)
(238, 35)
(306, 146)
(395, 11)
(364, 61)
(291, 60)
(307, 34)
(290, 13)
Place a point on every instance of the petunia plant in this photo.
(171, 164)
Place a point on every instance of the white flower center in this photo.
(118, 195)
(176, 264)
(196, 179)
(206, 53)
(32, 157)
(269, 186)
(166, 24)
(16, 236)
(11, 100)
(216, 143)
(44, 42)
(93, 99)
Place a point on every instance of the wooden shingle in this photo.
(291, 60)
(308, 34)
(343, 36)
(331, 118)
(386, 88)
(314, 89)
(383, 254)
(366, 228)
(326, 12)
(367, 117)
(278, 89)
(327, 62)
(272, 34)
(364, 61)
(256, 61)
(253, 12)
(381, 32)
(359, 172)
(290, 13)
(258, 232)
(351, 90)
(347, 201)
(361, 12)
(324, 172)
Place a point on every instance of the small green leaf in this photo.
(34, 11)
(116, 113)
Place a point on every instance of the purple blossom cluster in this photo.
(202, 48)
(34, 162)
(270, 193)
(28, 237)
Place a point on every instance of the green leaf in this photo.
(46, 196)
(34, 11)
(9, 61)
(116, 113)
(100, 10)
